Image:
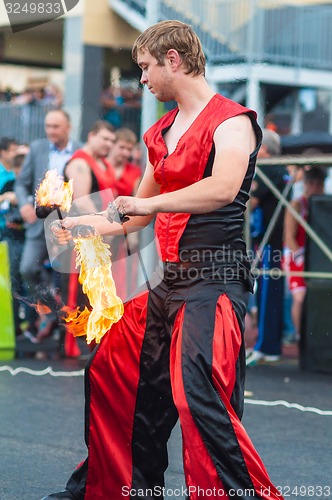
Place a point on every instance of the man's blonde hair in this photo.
(161, 37)
(125, 135)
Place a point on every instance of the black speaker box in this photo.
(316, 331)
(320, 219)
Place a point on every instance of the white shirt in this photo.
(57, 159)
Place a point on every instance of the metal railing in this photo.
(25, 123)
(22, 122)
(263, 31)
(324, 160)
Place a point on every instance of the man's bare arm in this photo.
(80, 173)
(291, 228)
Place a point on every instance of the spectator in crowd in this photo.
(296, 174)
(297, 171)
(53, 96)
(90, 169)
(128, 176)
(270, 290)
(115, 98)
(295, 237)
(112, 102)
(131, 96)
(53, 152)
(137, 157)
(50, 95)
(127, 173)
(13, 234)
(8, 149)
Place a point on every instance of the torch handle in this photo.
(60, 216)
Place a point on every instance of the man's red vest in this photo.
(186, 165)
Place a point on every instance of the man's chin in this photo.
(163, 98)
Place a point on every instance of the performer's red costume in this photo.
(178, 350)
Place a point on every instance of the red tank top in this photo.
(105, 178)
(186, 165)
(125, 184)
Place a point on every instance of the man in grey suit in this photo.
(53, 152)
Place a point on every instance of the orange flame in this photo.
(41, 308)
(76, 320)
(54, 191)
(94, 259)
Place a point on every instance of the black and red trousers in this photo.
(177, 352)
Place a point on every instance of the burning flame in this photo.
(40, 308)
(94, 258)
(54, 191)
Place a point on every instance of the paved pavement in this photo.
(41, 428)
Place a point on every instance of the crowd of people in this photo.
(98, 176)
(48, 95)
(278, 319)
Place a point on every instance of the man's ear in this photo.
(174, 58)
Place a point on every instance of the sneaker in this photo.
(253, 357)
(248, 351)
(289, 340)
(257, 357)
(271, 358)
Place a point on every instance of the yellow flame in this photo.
(54, 191)
(94, 258)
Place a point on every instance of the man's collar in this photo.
(68, 149)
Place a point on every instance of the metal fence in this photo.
(323, 161)
(25, 123)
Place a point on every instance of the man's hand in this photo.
(61, 234)
(28, 213)
(9, 196)
(131, 205)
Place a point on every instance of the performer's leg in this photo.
(270, 308)
(130, 411)
(155, 412)
(207, 369)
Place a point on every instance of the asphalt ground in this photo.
(288, 415)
